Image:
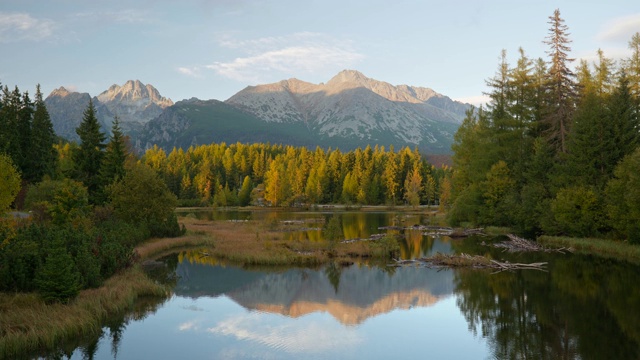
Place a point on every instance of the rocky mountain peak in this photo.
(60, 92)
(134, 91)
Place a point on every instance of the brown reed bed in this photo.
(30, 326)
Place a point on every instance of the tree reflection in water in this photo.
(584, 307)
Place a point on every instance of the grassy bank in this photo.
(263, 243)
(28, 325)
(600, 247)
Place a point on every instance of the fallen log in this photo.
(518, 244)
(440, 260)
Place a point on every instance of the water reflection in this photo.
(309, 226)
(350, 294)
(584, 308)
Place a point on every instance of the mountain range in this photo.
(348, 111)
(134, 103)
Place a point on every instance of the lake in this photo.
(580, 308)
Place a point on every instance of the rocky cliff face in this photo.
(353, 106)
(66, 110)
(134, 103)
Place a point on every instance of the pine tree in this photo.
(561, 84)
(58, 278)
(625, 120)
(112, 168)
(42, 152)
(88, 157)
(25, 118)
(9, 131)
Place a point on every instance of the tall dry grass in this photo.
(28, 325)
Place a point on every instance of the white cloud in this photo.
(296, 337)
(190, 71)
(16, 27)
(189, 325)
(475, 100)
(285, 55)
(620, 29)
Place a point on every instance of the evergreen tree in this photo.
(42, 152)
(88, 157)
(591, 149)
(112, 167)
(58, 278)
(561, 84)
(10, 125)
(25, 118)
(624, 118)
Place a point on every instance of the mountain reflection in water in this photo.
(350, 294)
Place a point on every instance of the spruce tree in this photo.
(561, 84)
(88, 156)
(112, 168)
(25, 118)
(9, 134)
(42, 153)
(58, 279)
(625, 120)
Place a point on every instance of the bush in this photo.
(577, 211)
(623, 198)
(143, 197)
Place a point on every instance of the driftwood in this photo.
(438, 230)
(518, 244)
(370, 238)
(464, 260)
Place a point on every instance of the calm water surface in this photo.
(582, 308)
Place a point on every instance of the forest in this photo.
(277, 175)
(87, 208)
(556, 151)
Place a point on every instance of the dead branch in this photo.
(465, 260)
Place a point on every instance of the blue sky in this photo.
(211, 49)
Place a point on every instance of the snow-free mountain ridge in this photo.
(348, 111)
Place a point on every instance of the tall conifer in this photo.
(88, 156)
(42, 153)
(561, 84)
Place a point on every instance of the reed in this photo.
(29, 325)
(611, 249)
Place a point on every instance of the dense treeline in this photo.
(276, 175)
(89, 203)
(555, 151)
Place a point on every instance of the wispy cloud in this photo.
(125, 16)
(297, 337)
(189, 325)
(193, 71)
(290, 60)
(274, 57)
(620, 29)
(475, 100)
(17, 27)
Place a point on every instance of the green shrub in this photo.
(58, 279)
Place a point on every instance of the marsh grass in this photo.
(28, 325)
(611, 249)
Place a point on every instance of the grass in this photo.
(590, 246)
(28, 325)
